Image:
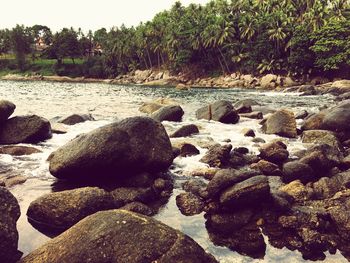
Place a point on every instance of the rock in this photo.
(254, 190)
(245, 103)
(296, 190)
(258, 140)
(289, 82)
(301, 115)
(60, 210)
(181, 86)
(168, 113)
(248, 132)
(343, 85)
(225, 178)
(58, 128)
(116, 150)
(9, 214)
(297, 170)
(138, 207)
(307, 90)
(142, 75)
(281, 123)
(124, 195)
(150, 107)
(18, 150)
(196, 187)
(221, 111)
(327, 187)
(268, 168)
(13, 180)
(268, 81)
(25, 129)
(275, 152)
(207, 172)
(185, 131)
(75, 118)
(253, 115)
(225, 223)
(188, 150)
(6, 110)
(131, 238)
(321, 137)
(319, 80)
(189, 204)
(217, 156)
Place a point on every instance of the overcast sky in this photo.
(86, 14)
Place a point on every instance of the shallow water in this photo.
(110, 102)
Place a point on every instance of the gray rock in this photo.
(221, 111)
(25, 129)
(297, 171)
(217, 155)
(281, 123)
(188, 150)
(6, 109)
(138, 207)
(189, 204)
(168, 113)
(75, 118)
(321, 137)
(185, 131)
(275, 152)
(225, 223)
(113, 151)
(9, 214)
(130, 237)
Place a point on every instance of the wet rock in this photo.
(12, 180)
(114, 151)
(268, 168)
(150, 107)
(244, 109)
(138, 207)
(327, 187)
(241, 150)
(301, 115)
(18, 150)
(185, 131)
(9, 214)
(217, 156)
(124, 195)
(297, 190)
(268, 81)
(132, 238)
(75, 118)
(275, 152)
(195, 186)
(189, 204)
(248, 132)
(225, 223)
(225, 178)
(188, 150)
(307, 90)
(281, 123)
(207, 173)
(221, 111)
(253, 115)
(246, 103)
(297, 170)
(168, 113)
(321, 137)
(25, 129)
(258, 140)
(313, 121)
(253, 190)
(61, 210)
(58, 128)
(6, 110)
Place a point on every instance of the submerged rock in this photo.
(75, 118)
(168, 113)
(221, 111)
(25, 129)
(114, 151)
(18, 150)
(6, 110)
(9, 214)
(130, 237)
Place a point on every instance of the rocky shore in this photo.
(118, 178)
(313, 86)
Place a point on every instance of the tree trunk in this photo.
(222, 55)
(149, 58)
(222, 66)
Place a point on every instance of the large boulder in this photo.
(75, 118)
(268, 81)
(254, 190)
(9, 214)
(6, 109)
(281, 123)
(168, 113)
(115, 150)
(25, 129)
(61, 210)
(221, 111)
(120, 236)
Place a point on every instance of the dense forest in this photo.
(291, 37)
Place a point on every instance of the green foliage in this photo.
(332, 45)
(21, 41)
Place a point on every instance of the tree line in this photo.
(295, 37)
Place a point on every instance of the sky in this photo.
(86, 14)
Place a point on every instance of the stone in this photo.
(248, 132)
(221, 111)
(245, 103)
(25, 129)
(124, 195)
(168, 113)
(150, 107)
(138, 207)
(225, 223)
(268, 168)
(301, 115)
(217, 155)
(343, 85)
(185, 131)
(297, 170)
(296, 190)
(327, 187)
(254, 190)
(268, 81)
(9, 214)
(13, 180)
(195, 186)
(181, 86)
(58, 128)
(131, 238)
(18, 150)
(117, 150)
(281, 123)
(253, 115)
(275, 152)
(189, 204)
(75, 118)
(188, 150)
(6, 110)
(60, 210)
(321, 137)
